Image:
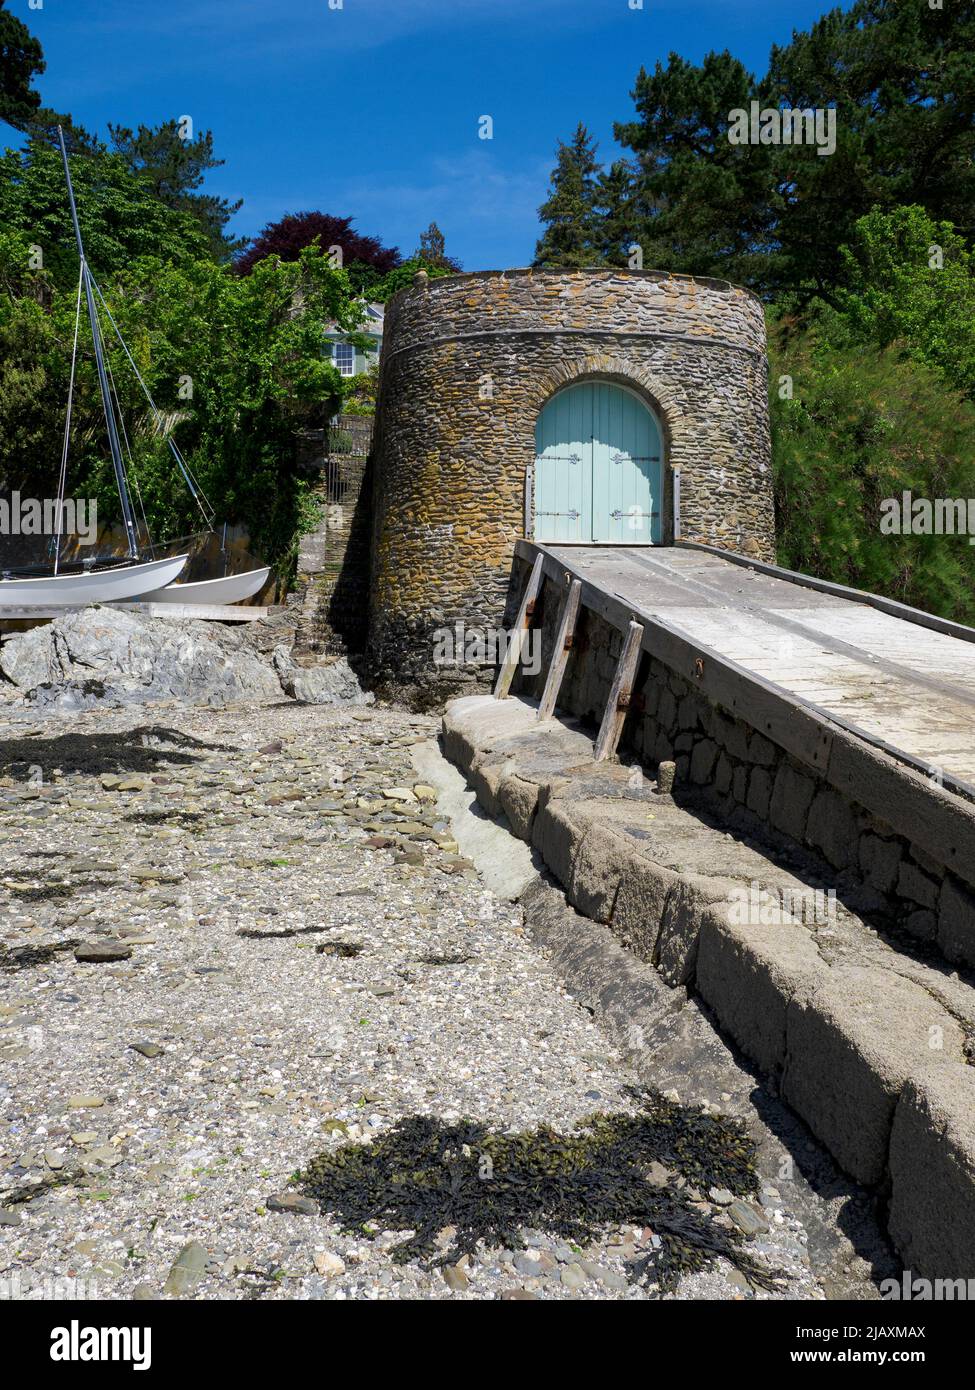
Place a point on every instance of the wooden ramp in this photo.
(208, 612)
(903, 680)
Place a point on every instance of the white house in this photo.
(350, 360)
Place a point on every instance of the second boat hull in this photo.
(233, 588)
(80, 588)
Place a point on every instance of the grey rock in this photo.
(573, 1276)
(455, 1278)
(749, 1221)
(294, 1204)
(334, 683)
(98, 953)
(187, 1270)
(105, 656)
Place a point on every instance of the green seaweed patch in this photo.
(423, 1175)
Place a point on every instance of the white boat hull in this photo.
(80, 588)
(234, 588)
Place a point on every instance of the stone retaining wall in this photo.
(868, 1044)
(332, 587)
(758, 787)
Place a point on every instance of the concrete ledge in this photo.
(854, 1033)
(750, 975)
(852, 1045)
(932, 1167)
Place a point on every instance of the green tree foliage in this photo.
(909, 279)
(236, 365)
(899, 77)
(860, 428)
(432, 251)
(902, 78)
(701, 204)
(121, 218)
(21, 60)
(619, 221)
(174, 167)
(569, 212)
(402, 277)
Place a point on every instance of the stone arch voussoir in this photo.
(622, 370)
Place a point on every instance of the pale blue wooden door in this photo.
(563, 468)
(598, 468)
(625, 469)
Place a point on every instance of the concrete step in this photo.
(869, 1043)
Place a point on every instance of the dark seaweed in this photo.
(14, 958)
(424, 1175)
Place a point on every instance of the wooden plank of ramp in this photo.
(207, 612)
(563, 645)
(215, 612)
(520, 633)
(619, 695)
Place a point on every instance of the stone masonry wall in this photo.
(754, 787)
(469, 361)
(333, 561)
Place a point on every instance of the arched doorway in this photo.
(598, 468)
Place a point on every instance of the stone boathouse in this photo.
(589, 406)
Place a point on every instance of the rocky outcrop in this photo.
(326, 683)
(105, 656)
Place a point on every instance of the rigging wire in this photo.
(208, 513)
(62, 477)
(131, 469)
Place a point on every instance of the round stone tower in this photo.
(594, 407)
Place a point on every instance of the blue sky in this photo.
(371, 109)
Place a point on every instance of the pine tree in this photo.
(21, 60)
(619, 222)
(431, 250)
(569, 213)
(176, 168)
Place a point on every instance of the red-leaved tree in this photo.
(296, 230)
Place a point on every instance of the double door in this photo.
(598, 468)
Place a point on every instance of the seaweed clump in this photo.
(13, 958)
(423, 1175)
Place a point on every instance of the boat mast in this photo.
(128, 516)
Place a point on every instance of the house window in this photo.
(343, 355)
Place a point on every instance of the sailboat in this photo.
(141, 574)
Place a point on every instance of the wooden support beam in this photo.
(619, 695)
(564, 635)
(520, 631)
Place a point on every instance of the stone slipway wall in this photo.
(333, 561)
(898, 846)
(468, 362)
(868, 1044)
